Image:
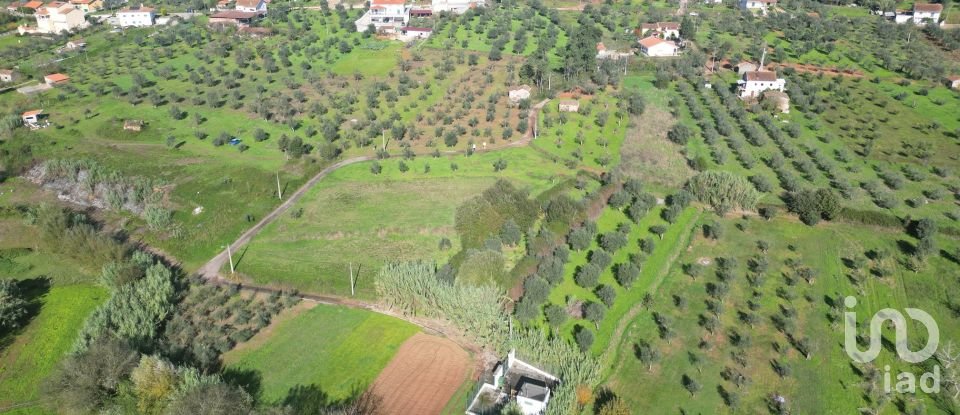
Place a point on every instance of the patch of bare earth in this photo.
(422, 377)
(648, 155)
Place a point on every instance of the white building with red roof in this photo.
(56, 17)
(656, 47)
(136, 16)
(385, 16)
(754, 83)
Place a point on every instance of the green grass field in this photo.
(31, 354)
(334, 350)
(356, 216)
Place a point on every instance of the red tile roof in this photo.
(927, 7)
(56, 77)
(136, 10)
(234, 14)
(761, 76)
(250, 4)
(390, 2)
(32, 113)
(33, 4)
(649, 42)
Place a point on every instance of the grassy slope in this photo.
(34, 352)
(337, 349)
(354, 215)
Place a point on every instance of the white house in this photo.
(762, 5)
(384, 15)
(32, 116)
(666, 30)
(136, 16)
(456, 6)
(926, 12)
(87, 6)
(517, 380)
(655, 47)
(754, 83)
(56, 17)
(259, 6)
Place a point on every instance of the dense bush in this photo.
(723, 191)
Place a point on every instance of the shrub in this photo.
(584, 338)
(723, 191)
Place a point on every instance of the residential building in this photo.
(224, 5)
(926, 12)
(136, 16)
(87, 6)
(33, 6)
(753, 84)
(258, 6)
(55, 18)
(233, 17)
(761, 5)
(456, 6)
(421, 13)
(603, 53)
(6, 75)
(655, 47)
(384, 15)
(515, 380)
(56, 79)
(666, 30)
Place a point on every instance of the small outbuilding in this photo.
(569, 105)
(32, 117)
(133, 125)
(746, 66)
(953, 82)
(56, 79)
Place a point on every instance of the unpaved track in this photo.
(422, 377)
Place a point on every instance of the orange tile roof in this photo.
(762, 76)
(32, 113)
(33, 4)
(927, 7)
(56, 77)
(391, 2)
(649, 42)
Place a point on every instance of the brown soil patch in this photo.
(422, 377)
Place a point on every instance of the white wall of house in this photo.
(455, 6)
(60, 19)
(135, 18)
(259, 6)
(753, 89)
(666, 48)
(384, 15)
(923, 17)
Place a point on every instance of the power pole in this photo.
(351, 280)
(279, 192)
(230, 257)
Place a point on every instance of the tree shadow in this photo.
(248, 379)
(32, 291)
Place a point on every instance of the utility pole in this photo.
(279, 192)
(230, 257)
(351, 280)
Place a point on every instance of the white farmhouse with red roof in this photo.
(761, 5)
(656, 47)
(755, 83)
(385, 16)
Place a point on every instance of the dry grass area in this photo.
(648, 155)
